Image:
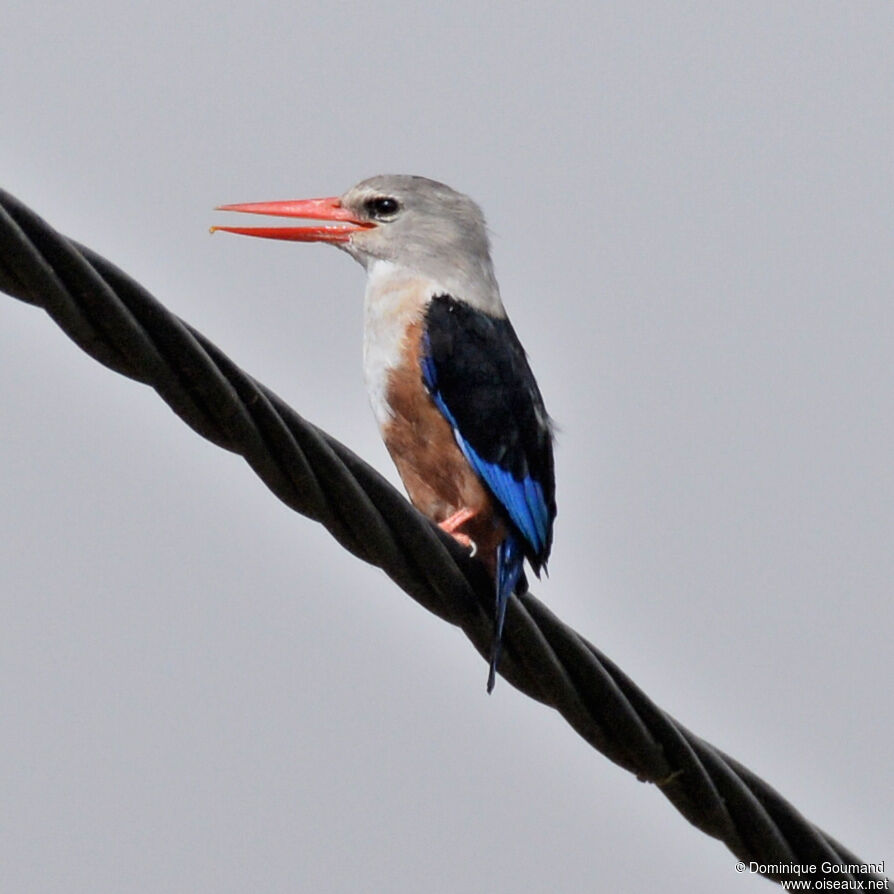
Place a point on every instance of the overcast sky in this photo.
(691, 206)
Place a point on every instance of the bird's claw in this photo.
(451, 524)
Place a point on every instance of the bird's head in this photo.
(413, 222)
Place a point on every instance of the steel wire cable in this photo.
(120, 324)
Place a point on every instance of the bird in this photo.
(449, 382)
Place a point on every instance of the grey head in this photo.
(427, 228)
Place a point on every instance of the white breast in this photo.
(395, 299)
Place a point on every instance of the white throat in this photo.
(395, 299)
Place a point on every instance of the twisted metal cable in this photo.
(116, 321)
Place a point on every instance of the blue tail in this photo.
(510, 560)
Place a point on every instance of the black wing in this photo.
(478, 375)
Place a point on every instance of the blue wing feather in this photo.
(523, 500)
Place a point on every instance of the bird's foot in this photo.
(460, 517)
(466, 541)
(451, 524)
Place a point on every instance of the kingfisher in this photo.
(449, 383)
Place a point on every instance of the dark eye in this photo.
(382, 206)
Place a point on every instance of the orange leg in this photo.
(456, 520)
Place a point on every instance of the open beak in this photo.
(344, 222)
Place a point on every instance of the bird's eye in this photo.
(382, 206)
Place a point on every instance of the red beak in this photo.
(346, 222)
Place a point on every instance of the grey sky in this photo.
(691, 207)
